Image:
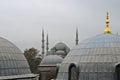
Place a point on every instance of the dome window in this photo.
(73, 75)
(117, 71)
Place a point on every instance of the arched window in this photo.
(73, 75)
(117, 70)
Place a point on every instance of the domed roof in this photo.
(60, 52)
(94, 58)
(12, 61)
(60, 46)
(51, 60)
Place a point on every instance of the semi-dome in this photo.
(13, 64)
(96, 58)
(60, 52)
(51, 60)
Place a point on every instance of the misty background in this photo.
(21, 21)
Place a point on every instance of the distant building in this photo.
(49, 66)
(13, 65)
(59, 49)
(52, 59)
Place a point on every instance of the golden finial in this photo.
(107, 29)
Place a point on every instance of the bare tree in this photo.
(32, 58)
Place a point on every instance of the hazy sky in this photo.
(21, 21)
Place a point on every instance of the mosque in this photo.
(48, 67)
(96, 58)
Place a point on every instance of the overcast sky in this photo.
(21, 21)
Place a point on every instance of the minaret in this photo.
(43, 46)
(107, 29)
(47, 43)
(76, 37)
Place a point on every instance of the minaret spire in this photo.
(107, 29)
(43, 46)
(47, 43)
(76, 37)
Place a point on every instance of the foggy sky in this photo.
(21, 21)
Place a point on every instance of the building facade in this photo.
(48, 67)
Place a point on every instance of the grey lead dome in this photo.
(60, 46)
(94, 59)
(12, 61)
(51, 60)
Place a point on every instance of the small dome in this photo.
(12, 61)
(51, 60)
(60, 52)
(60, 46)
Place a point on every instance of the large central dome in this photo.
(93, 58)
